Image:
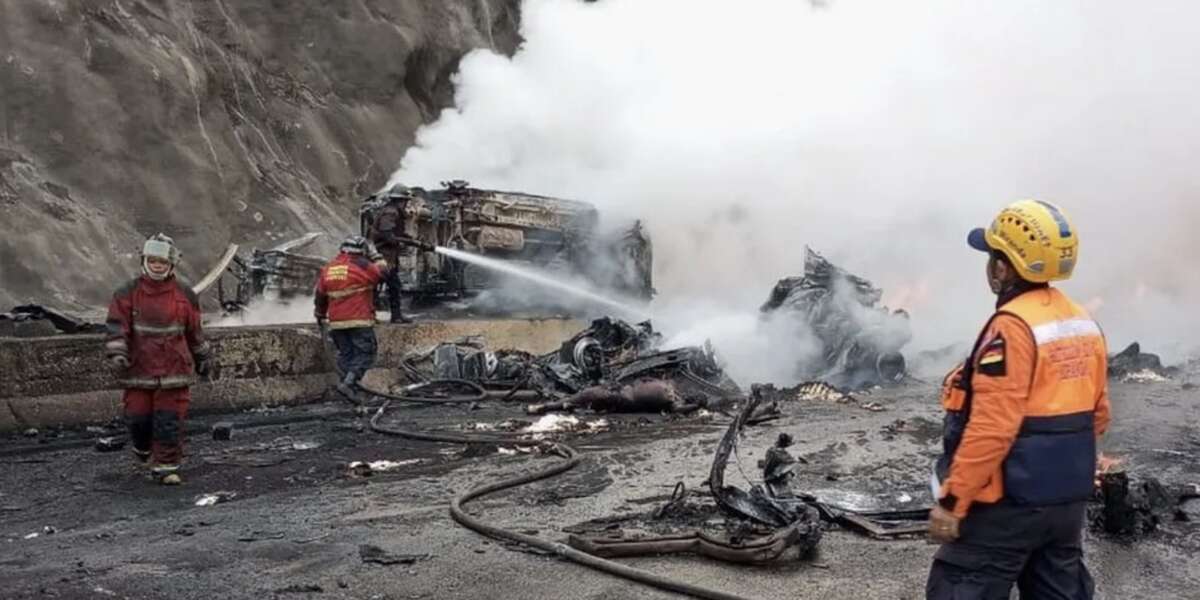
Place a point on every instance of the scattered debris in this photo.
(367, 469)
(554, 424)
(33, 320)
(1133, 365)
(374, 554)
(258, 536)
(652, 396)
(299, 588)
(760, 504)
(821, 391)
(110, 444)
(215, 498)
(1125, 506)
(861, 341)
(222, 431)
(612, 366)
(46, 530)
(1144, 376)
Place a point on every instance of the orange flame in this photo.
(1107, 464)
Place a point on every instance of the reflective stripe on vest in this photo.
(1064, 329)
(156, 383)
(351, 324)
(158, 331)
(346, 293)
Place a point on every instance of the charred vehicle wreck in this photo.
(560, 238)
(610, 367)
(860, 340)
(553, 235)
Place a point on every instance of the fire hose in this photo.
(572, 459)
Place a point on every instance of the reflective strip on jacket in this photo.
(1024, 412)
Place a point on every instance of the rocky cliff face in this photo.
(214, 121)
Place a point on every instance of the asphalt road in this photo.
(295, 527)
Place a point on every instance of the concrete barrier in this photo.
(63, 380)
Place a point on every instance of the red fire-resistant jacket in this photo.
(156, 325)
(345, 291)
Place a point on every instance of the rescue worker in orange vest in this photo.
(345, 299)
(156, 347)
(1023, 415)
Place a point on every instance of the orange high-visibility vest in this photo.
(1052, 460)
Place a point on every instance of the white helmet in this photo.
(159, 246)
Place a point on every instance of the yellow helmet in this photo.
(1036, 237)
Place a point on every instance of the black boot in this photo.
(348, 388)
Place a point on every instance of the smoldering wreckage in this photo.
(613, 368)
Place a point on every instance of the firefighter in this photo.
(156, 347)
(386, 231)
(345, 299)
(1023, 416)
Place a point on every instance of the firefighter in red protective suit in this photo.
(156, 348)
(345, 299)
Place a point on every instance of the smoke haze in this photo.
(877, 132)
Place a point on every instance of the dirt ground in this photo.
(296, 524)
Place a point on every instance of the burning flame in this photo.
(908, 296)
(1106, 464)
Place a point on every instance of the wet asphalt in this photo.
(297, 517)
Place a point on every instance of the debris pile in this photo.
(1127, 506)
(1133, 365)
(34, 320)
(762, 524)
(860, 340)
(280, 273)
(610, 367)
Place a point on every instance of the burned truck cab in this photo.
(552, 235)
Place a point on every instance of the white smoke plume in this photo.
(877, 132)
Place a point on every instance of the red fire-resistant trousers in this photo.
(156, 422)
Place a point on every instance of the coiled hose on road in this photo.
(572, 459)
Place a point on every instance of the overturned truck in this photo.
(551, 234)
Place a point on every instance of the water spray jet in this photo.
(543, 279)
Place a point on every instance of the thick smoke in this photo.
(878, 132)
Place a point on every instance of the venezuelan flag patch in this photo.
(991, 358)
